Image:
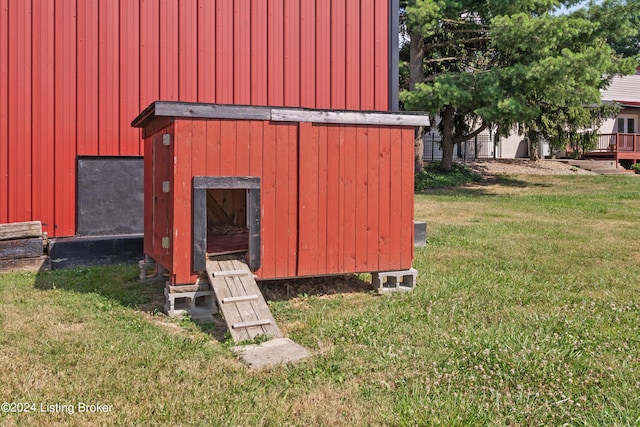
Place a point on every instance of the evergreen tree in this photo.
(506, 62)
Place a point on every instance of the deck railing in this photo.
(621, 142)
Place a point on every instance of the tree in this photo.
(505, 62)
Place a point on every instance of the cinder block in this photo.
(419, 234)
(200, 305)
(150, 270)
(395, 281)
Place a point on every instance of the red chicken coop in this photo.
(297, 192)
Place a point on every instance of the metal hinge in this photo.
(166, 139)
(165, 243)
(166, 186)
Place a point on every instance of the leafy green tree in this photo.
(504, 62)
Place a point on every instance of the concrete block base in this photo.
(419, 234)
(270, 353)
(150, 270)
(395, 281)
(200, 304)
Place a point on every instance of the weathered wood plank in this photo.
(230, 312)
(198, 110)
(232, 273)
(240, 301)
(348, 117)
(42, 263)
(242, 112)
(251, 323)
(21, 248)
(20, 230)
(259, 304)
(226, 182)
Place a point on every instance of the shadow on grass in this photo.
(483, 188)
(120, 284)
(507, 181)
(286, 289)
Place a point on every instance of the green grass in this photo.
(433, 177)
(527, 312)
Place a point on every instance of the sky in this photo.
(583, 3)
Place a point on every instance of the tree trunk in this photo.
(532, 140)
(416, 58)
(416, 75)
(447, 138)
(418, 150)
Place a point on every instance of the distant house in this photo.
(619, 137)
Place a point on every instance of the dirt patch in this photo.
(492, 168)
(282, 290)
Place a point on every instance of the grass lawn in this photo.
(527, 312)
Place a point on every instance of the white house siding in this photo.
(512, 147)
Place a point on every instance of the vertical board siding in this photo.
(206, 51)
(20, 111)
(188, 50)
(406, 188)
(367, 51)
(307, 54)
(241, 51)
(149, 51)
(334, 143)
(384, 196)
(181, 193)
(4, 111)
(309, 210)
(169, 56)
(129, 144)
(362, 149)
(323, 56)
(224, 52)
(353, 50)
(258, 78)
(42, 108)
(292, 65)
(395, 199)
(73, 74)
(354, 214)
(381, 55)
(333, 199)
(88, 91)
(65, 110)
(109, 82)
(198, 143)
(338, 59)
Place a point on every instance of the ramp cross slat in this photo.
(240, 301)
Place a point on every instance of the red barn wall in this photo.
(74, 73)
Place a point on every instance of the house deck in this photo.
(617, 146)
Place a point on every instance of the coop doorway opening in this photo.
(227, 228)
(226, 219)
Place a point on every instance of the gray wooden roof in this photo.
(217, 111)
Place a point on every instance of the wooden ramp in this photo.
(240, 301)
